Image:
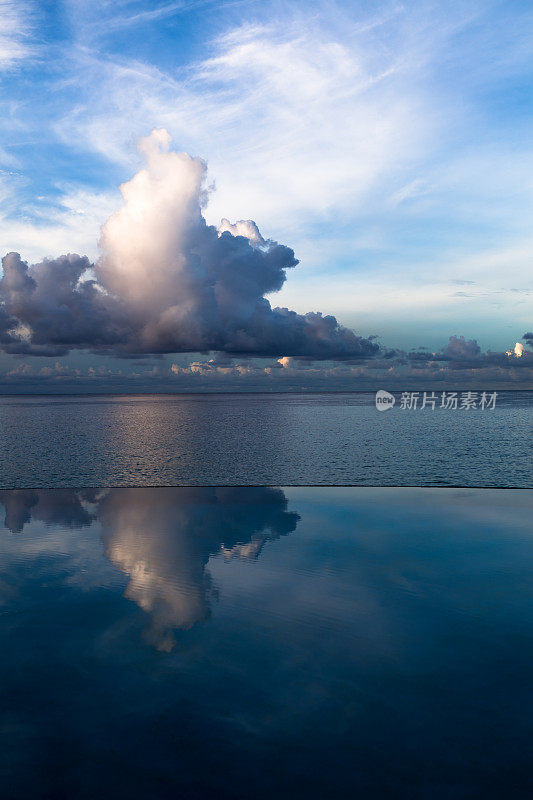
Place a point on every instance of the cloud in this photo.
(166, 282)
(319, 101)
(313, 120)
(47, 225)
(465, 354)
(48, 308)
(460, 362)
(459, 348)
(14, 32)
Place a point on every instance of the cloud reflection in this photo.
(67, 508)
(163, 538)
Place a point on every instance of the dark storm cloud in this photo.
(48, 309)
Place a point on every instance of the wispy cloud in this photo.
(293, 121)
(15, 32)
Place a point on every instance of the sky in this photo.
(383, 151)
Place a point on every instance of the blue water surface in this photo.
(258, 439)
(263, 642)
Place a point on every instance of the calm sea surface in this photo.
(265, 643)
(261, 440)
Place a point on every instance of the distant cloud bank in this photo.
(460, 364)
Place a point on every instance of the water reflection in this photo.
(163, 538)
(64, 507)
(384, 651)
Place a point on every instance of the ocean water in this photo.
(266, 643)
(244, 439)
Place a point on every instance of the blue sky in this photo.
(389, 144)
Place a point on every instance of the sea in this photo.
(247, 596)
(264, 440)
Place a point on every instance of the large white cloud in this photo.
(166, 281)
